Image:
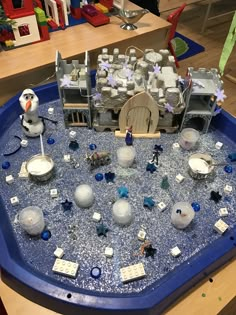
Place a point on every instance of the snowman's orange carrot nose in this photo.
(27, 106)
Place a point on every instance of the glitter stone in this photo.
(99, 177)
(50, 141)
(45, 235)
(6, 165)
(228, 169)
(196, 206)
(92, 146)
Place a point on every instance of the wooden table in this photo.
(34, 63)
(207, 298)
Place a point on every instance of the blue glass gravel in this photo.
(6, 165)
(228, 169)
(99, 177)
(46, 235)
(196, 206)
(92, 146)
(74, 145)
(50, 141)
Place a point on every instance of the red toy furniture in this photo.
(93, 16)
(173, 18)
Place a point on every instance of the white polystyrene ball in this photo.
(121, 212)
(182, 214)
(84, 196)
(126, 156)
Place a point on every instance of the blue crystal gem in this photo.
(95, 272)
(148, 202)
(228, 169)
(99, 177)
(196, 207)
(6, 165)
(110, 177)
(102, 229)
(232, 157)
(45, 235)
(92, 146)
(74, 145)
(66, 205)
(123, 192)
(151, 167)
(50, 141)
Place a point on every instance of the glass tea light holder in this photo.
(40, 166)
(126, 156)
(31, 220)
(189, 138)
(200, 165)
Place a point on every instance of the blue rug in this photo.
(185, 47)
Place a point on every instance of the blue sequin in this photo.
(99, 177)
(228, 169)
(50, 141)
(6, 165)
(92, 146)
(45, 235)
(196, 207)
(95, 272)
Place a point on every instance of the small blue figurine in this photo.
(153, 163)
(129, 136)
(155, 153)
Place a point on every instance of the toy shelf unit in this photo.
(74, 86)
(200, 98)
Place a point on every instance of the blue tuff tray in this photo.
(62, 297)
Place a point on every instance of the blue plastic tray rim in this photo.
(154, 298)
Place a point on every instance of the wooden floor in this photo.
(213, 40)
(2, 308)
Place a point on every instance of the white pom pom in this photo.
(121, 212)
(84, 196)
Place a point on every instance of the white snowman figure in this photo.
(32, 124)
